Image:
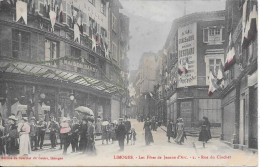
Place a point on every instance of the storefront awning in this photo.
(57, 74)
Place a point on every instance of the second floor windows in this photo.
(213, 35)
(114, 22)
(103, 8)
(51, 50)
(20, 44)
(114, 51)
(75, 52)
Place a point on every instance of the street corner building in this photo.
(60, 54)
(207, 68)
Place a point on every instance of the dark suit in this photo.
(120, 133)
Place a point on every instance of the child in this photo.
(133, 136)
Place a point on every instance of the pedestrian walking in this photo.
(104, 128)
(133, 136)
(53, 127)
(120, 134)
(75, 135)
(83, 131)
(169, 130)
(180, 131)
(64, 130)
(148, 133)
(90, 137)
(128, 128)
(203, 136)
(153, 124)
(33, 134)
(24, 138)
(42, 126)
(98, 126)
(207, 123)
(12, 136)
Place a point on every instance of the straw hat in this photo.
(12, 117)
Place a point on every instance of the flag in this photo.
(76, 33)
(61, 12)
(21, 11)
(230, 59)
(94, 45)
(220, 74)
(212, 84)
(106, 50)
(53, 19)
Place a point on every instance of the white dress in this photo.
(25, 145)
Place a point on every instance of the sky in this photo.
(151, 20)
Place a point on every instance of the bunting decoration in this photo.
(76, 33)
(212, 84)
(21, 11)
(53, 19)
(220, 75)
(230, 59)
(249, 26)
(106, 50)
(94, 45)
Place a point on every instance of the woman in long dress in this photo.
(148, 133)
(24, 130)
(180, 131)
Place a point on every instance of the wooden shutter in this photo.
(205, 35)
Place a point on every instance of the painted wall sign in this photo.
(187, 54)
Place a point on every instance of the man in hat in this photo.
(128, 128)
(120, 133)
(65, 130)
(53, 127)
(75, 134)
(33, 133)
(42, 125)
(12, 136)
(83, 131)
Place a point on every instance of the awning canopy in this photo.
(58, 74)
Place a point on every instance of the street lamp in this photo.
(72, 98)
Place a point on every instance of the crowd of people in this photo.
(23, 136)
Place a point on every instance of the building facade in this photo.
(239, 96)
(195, 46)
(56, 56)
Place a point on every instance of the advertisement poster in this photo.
(187, 55)
(129, 83)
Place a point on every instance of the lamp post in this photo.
(72, 99)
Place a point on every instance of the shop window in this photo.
(20, 44)
(51, 50)
(214, 65)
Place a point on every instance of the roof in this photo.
(57, 74)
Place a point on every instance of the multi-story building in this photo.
(239, 96)
(195, 46)
(55, 56)
(144, 84)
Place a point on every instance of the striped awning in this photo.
(58, 74)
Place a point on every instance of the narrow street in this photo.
(109, 154)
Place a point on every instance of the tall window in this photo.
(51, 50)
(114, 20)
(214, 65)
(114, 51)
(20, 44)
(75, 52)
(103, 8)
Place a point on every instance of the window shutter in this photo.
(205, 35)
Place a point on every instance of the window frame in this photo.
(213, 57)
(21, 43)
(114, 22)
(103, 8)
(57, 50)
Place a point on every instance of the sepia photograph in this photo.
(129, 83)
